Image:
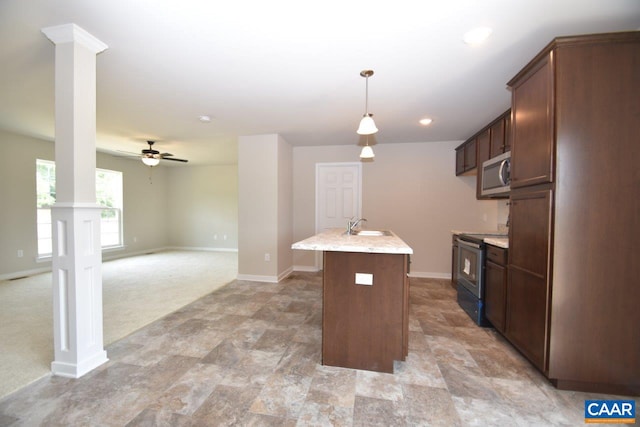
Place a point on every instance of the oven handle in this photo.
(464, 242)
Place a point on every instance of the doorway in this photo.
(338, 196)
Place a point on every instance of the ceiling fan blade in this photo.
(127, 153)
(166, 154)
(175, 160)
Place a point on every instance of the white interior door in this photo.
(338, 195)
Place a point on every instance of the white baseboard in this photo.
(110, 255)
(267, 279)
(256, 278)
(306, 268)
(285, 274)
(206, 249)
(25, 273)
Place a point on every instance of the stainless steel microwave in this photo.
(496, 179)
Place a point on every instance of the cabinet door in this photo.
(470, 155)
(460, 160)
(528, 291)
(495, 292)
(507, 132)
(533, 130)
(497, 138)
(483, 142)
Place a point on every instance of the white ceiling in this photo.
(285, 66)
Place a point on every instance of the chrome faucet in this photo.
(353, 224)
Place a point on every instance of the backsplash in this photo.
(503, 216)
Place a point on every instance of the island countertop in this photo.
(336, 239)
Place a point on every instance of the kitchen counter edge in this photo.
(336, 240)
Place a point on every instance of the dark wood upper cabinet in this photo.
(460, 160)
(466, 160)
(488, 143)
(483, 141)
(497, 137)
(507, 131)
(470, 159)
(533, 113)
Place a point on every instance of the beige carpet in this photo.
(136, 291)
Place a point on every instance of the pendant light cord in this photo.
(366, 96)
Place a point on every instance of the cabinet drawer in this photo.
(497, 255)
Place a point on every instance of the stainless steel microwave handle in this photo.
(501, 177)
(464, 242)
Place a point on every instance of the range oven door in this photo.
(470, 262)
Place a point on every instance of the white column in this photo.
(77, 256)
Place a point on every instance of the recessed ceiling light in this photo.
(477, 35)
(204, 119)
(426, 121)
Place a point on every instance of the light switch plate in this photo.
(364, 279)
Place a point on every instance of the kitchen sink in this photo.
(372, 233)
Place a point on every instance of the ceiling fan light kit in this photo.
(151, 157)
(150, 161)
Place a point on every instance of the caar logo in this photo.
(610, 411)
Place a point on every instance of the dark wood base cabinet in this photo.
(574, 274)
(495, 291)
(365, 326)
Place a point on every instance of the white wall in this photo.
(145, 203)
(203, 207)
(410, 188)
(264, 204)
(285, 207)
(183, 206)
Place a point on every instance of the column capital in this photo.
(68, 33)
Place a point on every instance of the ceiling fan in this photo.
(152, 157)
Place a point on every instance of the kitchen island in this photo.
(365, 295)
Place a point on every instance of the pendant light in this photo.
(367, 125)
(367, 151)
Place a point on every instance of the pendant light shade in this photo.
(367, 152)
(367, 125)
(150, 161)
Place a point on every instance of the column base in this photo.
(76, 370)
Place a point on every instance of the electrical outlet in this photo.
(215, 237)
(135, 240)
(20, 253)
(267, 257)
(224, 237)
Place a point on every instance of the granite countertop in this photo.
(501, 242)
(336, 239)
(500, 239)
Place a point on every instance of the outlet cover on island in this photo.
(364, 279)
(267, 257)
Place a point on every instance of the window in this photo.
(108, 194)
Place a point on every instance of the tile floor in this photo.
(249, 354)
